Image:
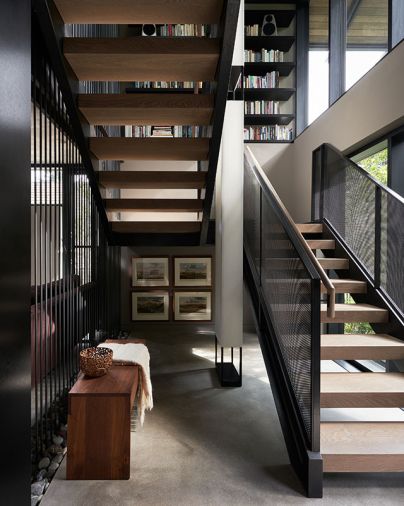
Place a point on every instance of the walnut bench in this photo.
(99, 424)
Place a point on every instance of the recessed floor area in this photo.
(203, 445)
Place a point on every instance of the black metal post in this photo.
(337, 48)
(378, 231)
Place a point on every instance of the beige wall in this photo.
(372, 107)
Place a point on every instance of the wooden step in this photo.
(347, 286)
(321, 244)
(130, 148)
(310, 228)
(143, 58)
(361, 347)
(362, 447)
(362, 390)
(334, 263)
(350, 313)
(180, 180)
(146, 109)
(154, 205)
(156, 227)
(140, 11)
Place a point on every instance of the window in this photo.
(375, 161)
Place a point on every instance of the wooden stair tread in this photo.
(143, 58)
(347, 286)
(310, 228)
(151, 205)
(325, 244)
(156, 227)
(152, 179)
(349, 313)
(140, 11)
(146, 109)
(362, 446)
(361, 347)
(130, 148)
(334, 263)
(362, 390)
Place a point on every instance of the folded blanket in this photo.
(135, 353)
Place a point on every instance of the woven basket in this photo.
(95, 362)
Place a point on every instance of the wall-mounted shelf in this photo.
(267, 142)
(280, 42)
(261, 68)
(268, 119)
(268, 93)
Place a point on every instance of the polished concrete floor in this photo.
(204, 445)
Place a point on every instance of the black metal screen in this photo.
(367, 216)
(290, 293)
(75, 274)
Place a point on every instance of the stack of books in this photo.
(165, 131)
(252, 30)
(270, 80)
(268, 133)
(162, 131)
(164, 84)
(141, 131)
(183, 30)
(261, 107)
(265, 55)
(186, 131)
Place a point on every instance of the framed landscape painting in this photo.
(193, 271)
(193, 306)
(150, 306)
(150, 271)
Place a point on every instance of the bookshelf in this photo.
(269, 74)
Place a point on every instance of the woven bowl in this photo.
(95, 362)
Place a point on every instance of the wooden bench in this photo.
(99, 424)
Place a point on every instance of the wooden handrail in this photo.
(321, 272)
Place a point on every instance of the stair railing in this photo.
(284, 281)
(366, 217)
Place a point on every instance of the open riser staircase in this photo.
(307, 282)
(156, 87)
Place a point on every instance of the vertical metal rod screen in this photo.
(75, 276)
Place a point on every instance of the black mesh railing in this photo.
(367, 216)
(289, 288)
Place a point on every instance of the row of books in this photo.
(265, 55)
(183, 30)
(252, 30)
(164, 84)
(269, 80)
(261, 107)
(268, 133)
(165, 131)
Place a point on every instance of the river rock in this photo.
(38, 487)
(57, 440)
(44, 463)
(52, 469)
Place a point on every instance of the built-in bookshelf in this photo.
(269, 88)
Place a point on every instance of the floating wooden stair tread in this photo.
(146, 109)
(310, 228)
(143, 58)
(347, 286)
(154, 227)
(361, 347)
(130, 148)
(362, 446)
(334, 263)
(350, 313)
(321, 243)
(154, 205)
(362, 390)
(152, 179)
(140, 11)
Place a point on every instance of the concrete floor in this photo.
(203, 445)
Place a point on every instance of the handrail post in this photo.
(378, 233)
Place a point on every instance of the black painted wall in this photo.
(15, 104)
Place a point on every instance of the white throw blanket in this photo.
(135, 353)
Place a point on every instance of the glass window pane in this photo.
(367, 37)
(375, 161)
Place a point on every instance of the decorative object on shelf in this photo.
(150, 306)
(149, 30)
(269, 25)
(95, 362)
(193, 271)
(150, 271)
(193, 306)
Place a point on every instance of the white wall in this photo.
(371, 108)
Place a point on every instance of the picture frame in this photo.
(193, 271)
(150, 272)
(193, 306)
(150, 306)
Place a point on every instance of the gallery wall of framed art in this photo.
(176, 288)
